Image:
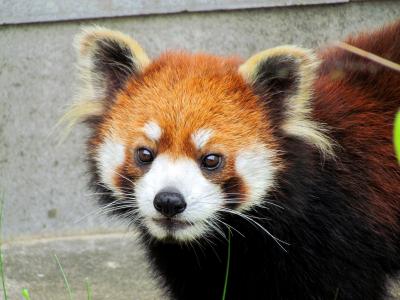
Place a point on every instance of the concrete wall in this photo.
(45, 184)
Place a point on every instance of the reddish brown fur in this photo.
(358, 98)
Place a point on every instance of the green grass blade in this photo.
(25, 294)
(336, 294)
(66, 283)
(397, 135)
(89, 290)
(228, 260)
(3, 281)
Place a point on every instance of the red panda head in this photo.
(185, 137)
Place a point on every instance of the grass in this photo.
(66, 283)
(3, 281)
(336, 294)
(228, 260)
(88, 290)
(397, 135)
(25, 294)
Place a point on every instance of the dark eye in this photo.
(211, 162)
(144, 156)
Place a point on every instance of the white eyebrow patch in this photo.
(152, 130)
(201, 137)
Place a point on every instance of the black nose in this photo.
(169, 202)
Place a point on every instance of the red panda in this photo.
(287, 155)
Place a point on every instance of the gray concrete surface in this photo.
(20, 11)
(113, 264)
(45, 185)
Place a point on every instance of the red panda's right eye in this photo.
(211, 162)
(144, 156)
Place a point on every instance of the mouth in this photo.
(174, 230)
(172, 224)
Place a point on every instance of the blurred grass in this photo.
(397, 135)
(228, 260)
(3, 282)
(25, 294)
(88, 289)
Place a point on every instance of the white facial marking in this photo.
(152, 130)
(110, 156)
(255, 166)
(202, 197)
(201, 137)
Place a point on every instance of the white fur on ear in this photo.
(289, 72)
(106, 60)
(106, 57)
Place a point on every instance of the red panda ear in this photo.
(106, 60)
(284, 77)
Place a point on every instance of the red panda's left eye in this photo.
(211, 161)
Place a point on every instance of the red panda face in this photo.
(191, 138)
(179, 140)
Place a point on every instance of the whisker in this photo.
(256, 224)
(95, 212)
(229, 226)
